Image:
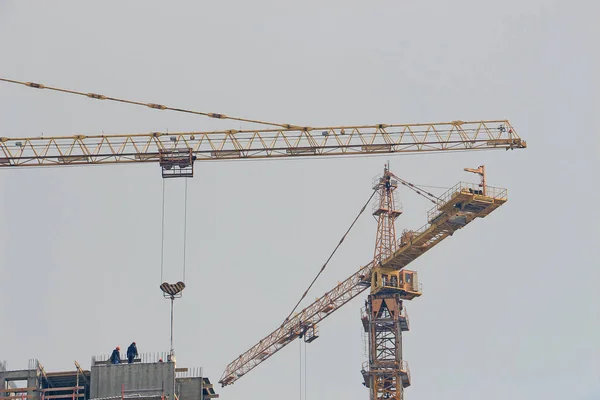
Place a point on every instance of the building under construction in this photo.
(148, 377)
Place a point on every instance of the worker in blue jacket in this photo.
(115, 357)
(132, 353)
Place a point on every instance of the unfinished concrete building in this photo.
(145, 379)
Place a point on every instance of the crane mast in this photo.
(386, 374)
(386, 210)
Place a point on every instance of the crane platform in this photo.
(457, 207)
(402, 319)
(375, 375)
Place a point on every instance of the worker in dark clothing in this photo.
(131, 353)
(115, 357)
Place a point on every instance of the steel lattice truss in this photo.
(445, 219)
(385, 341)
(251, 144)
(386, 368)
(295, 326)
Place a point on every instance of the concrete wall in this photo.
(107, 380)
(29, 375)
(189, 388)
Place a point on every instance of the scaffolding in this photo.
(40, 385)
(148, 378)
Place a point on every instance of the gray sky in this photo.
(510, 305)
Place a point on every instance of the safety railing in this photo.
(404, 368)
(52, 393)
(33, 363)
(404, 315)
(17, 394)
(365, 314)
(194, 372)
(366, 367)
(465, 187)
(377, 180)
(417, 286)
(137, 394)
(140, 394)
(377, 207)
(142, 358)
(63, 393)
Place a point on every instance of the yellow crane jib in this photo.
(181, 149)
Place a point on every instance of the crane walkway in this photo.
(458, 206)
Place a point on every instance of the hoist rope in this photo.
(332, 254)
(185, 226)
(429, 196)
(150, 105)
(162, 233)
(432, 187)
(300, 353)
(304, 370)
(162, 238)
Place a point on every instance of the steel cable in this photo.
(304, 370)
(300, 354)
(429, 196)
(149, 105)
(331, 255)
(185, 226)
(162, 233)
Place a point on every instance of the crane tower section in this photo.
(384, 318)
(385, 209)
(386, 374)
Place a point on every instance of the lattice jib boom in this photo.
(269, 143)
(292, 329)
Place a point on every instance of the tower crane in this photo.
(386, 373)
(176, 152)
(384, 318)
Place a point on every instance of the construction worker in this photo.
(132, 353)
(115, 357)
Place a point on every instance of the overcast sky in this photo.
(510, 306)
